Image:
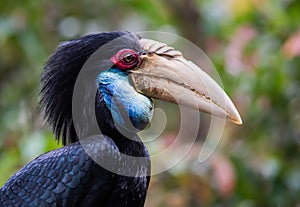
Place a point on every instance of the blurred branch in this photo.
(187, 14)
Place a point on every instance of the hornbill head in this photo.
(130, 72)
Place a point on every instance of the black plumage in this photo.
(69, 176)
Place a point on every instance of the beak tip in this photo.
(236, 119)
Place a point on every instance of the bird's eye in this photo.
(125, 59)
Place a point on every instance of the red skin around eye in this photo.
(118, 59)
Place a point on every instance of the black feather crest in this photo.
(59, 77)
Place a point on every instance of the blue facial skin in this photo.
(124, 101)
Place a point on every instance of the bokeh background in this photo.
(255, 46)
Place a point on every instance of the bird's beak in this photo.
(164, 74)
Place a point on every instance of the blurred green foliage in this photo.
(255, 46)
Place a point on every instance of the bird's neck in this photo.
(127, 141)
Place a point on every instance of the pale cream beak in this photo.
(165, 74)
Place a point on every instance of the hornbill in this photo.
(125, 73)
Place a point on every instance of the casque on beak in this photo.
(164, 74)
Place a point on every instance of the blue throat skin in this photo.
(130, 110)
